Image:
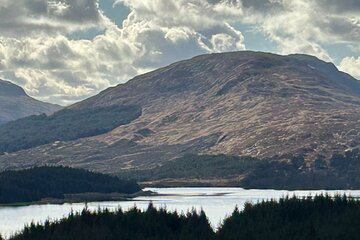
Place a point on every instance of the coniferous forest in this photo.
(54, 182)
(320, 218)
(64, 125)
(134, 224)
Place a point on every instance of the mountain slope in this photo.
(242, 103)
(15, 103)
(64, 125)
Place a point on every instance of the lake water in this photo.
(216, 202)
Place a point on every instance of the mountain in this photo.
(15, 103)
(296, 114)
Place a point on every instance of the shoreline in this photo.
(104, 197)
(83, 197)
(227, 183)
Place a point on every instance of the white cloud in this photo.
(37, 52)
(304, 26)
(170, 30)
(23, 18)
(52, 67)
(351, 65)
(199, 14)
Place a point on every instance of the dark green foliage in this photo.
(340, 172)
(320, 218)
(348, 162)
(145, 132)
(44, 182)
(152, 224)
(197, 166)
(65, 125)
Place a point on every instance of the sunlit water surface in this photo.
(216, 202)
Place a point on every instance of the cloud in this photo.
(33, 17)
(169, 30)
(200, 14)
(340, 7)
(38, 50)
(351, 65)
(52, 67)
(305, 26)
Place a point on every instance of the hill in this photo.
(35, 184)
(296, 112)
(15, 103)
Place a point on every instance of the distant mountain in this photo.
(296, 113)
(15, 103)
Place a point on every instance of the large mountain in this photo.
(296, 113)
(15, 103)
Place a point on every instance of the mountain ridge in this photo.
(16, 104)
(253, 104)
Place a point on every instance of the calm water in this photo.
(216, 202)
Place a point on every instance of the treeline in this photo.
(197, 166)
(64, 125)
(338, 172)
(134, 224)
(320, 218)
(54, 182)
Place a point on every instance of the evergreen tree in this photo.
(53, 182)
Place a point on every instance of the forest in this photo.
(54, 182)
(64, 125)
(197, 166)
(134, 224)
(338, 172)
(319, 217)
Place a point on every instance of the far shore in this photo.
(168, 183)
(83, 197)
(228, 183)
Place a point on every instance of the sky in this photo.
(63, 51)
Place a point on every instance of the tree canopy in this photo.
(64, 125)
(54, 182)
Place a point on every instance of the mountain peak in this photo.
(9, 89)
(15, 103)
(219, 74)
(254, 104)
(249, 100)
